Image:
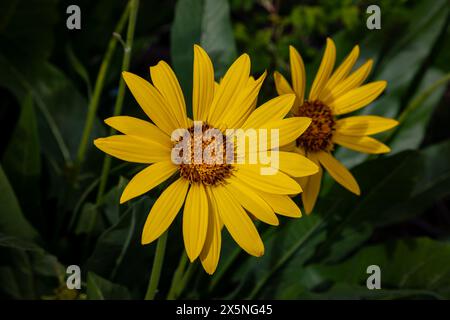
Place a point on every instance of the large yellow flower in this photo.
(213, 194)
(333, 94)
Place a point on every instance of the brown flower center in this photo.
(206, 162)
(319, 134)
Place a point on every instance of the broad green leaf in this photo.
(27, 271)
(417, 266)
(55, 97)
(22, 161)
(12, 221)
(87, 219)
(119, 254)
(111, 201)
(432, 185)
(206, 23)
(99, 288)
(12, 242)
(415, 118)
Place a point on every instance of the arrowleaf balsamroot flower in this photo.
(213, 194)
(333, 94)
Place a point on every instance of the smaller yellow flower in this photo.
(333, 94)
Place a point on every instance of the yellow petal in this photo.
(298, 74)
(164, 210)
(237, 222)
(357, 98)
(325, 69)
(288, 130)
(339, 172)
(341, 72)
(195, 220)
(203, 86)
(151, 102)
(233, 82)
(210, 254)
(361, 144)
(349, 83)
(255, 101)
(139, 128)
(251, 201)
(364, 125)
(281, 204)
(167, 84)
(290, 147)
(243, 105)
(133, 149)
(291, 163)
(147, 179)
(278, 183)
(296, 165)
(273, 110)
(311, 188)
(281, 84)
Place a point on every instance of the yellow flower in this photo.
(333, 94)
(214, 194)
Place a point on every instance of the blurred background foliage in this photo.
(51, 215)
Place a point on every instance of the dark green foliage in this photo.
(50, 216)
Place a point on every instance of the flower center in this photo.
(318, 136)
(206, 162)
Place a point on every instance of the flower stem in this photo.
(98, 88)
(134, 5)
(157, 266)
(417, 102)
(177, 276)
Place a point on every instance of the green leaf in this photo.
(22, 161)
(415, 118)
(79, 69)
(87, 218)
(119, 254)
(418, 266)
(27, 271)
(12, 221)
(433, 183)
(8, 241)
(207, 23)
(55, 97)
(99, 288)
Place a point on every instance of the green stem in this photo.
(417, 102)
(422, 97)
(177, 276)
(157, 266)
(184, 281)
(285, 258)
(232, 257)
(134, 5)
(99, 84)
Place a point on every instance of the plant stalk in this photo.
(157, 266)
(134, 5)
(98, 88)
